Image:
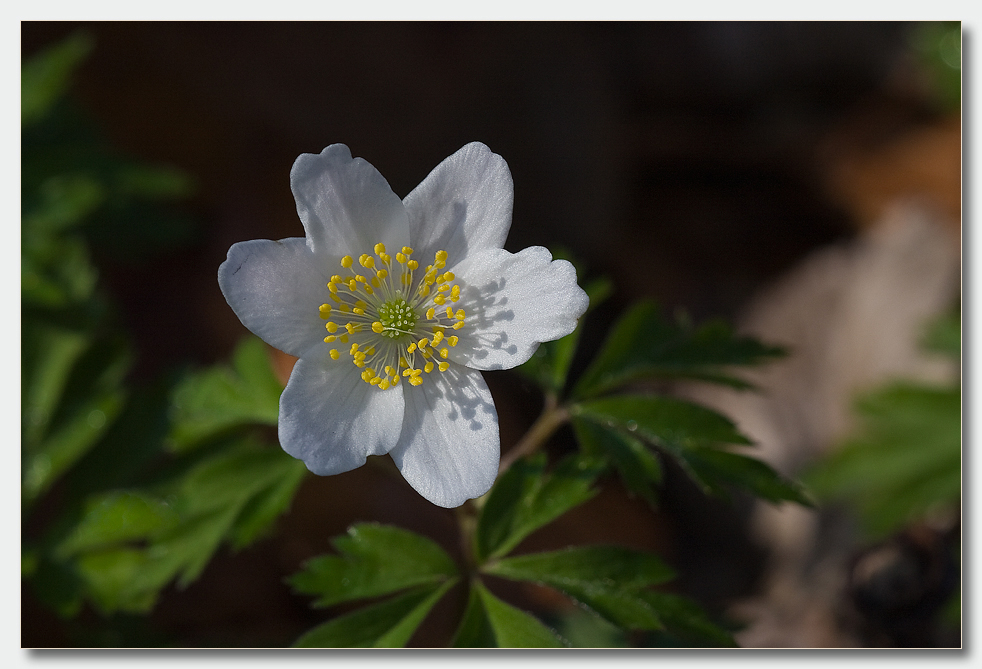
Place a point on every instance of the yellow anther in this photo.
(441, 256)
(384, 385)
(329, 338)
(386, 258)
(427, 353)
(444, 352)
(376, 380)
(443, 288)
(346, 262)
(413, 265)
(375, 282)
(367, 375)
(352, 328)
(336, 279)
(404, 279)
(403, 363)
(352, 285)
(359, 311)
(460, 315)
(371, 350)
(354, 348)
(331, 287)
(410, 348)
(458, 325)
(407, 372)
(360, 279)
(408, 251)
(455, 291)
(334, 354)
(422, 343)
(424, 290)
(344, 338)
(437, 337)
(332, 327)
(369, 261)
(453, 339)
(444, 366)
(449, 276)
(382, 273)
(389, 371)
(325, 311)
(430, 313)
(449, 312)
(335, 297)
(379, 249)
(440, 299)
(428, 367)
(369, 290)
(415, 380)
(377, 327)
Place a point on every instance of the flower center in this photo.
(396, 319)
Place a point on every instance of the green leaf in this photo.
(210, 402)
(673, 424)
(118, 517)
(684, 619)
(638, 467)
(903, 460)
(526, 497)
(712, 468)
(945, 336)
(595, 567)
(549, 365)
(643, 344)
(374, 560)
(388, 624)
(44, 77)
(475, 629)
(605, 579)
(512, 627)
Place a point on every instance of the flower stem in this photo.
(552, 417)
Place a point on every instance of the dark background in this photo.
(691, 163)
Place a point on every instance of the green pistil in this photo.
(398, 319)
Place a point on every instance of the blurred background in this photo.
(698, 164)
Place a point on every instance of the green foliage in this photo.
(491, 623)
(637, 465)
(388, 624)
(373, 560)
(938, 47)
(45, 77)
(904, 461)
(526, 497)
(214, 400)
(643, 344)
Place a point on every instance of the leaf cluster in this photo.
(125, 487)
(613, 583)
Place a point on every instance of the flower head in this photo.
(393, 307)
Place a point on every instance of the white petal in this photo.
(449, 446)
(514, 301)
(332, 420)
(275, 288)
(463, 206)
(345, 205)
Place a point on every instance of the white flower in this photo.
(392, 307)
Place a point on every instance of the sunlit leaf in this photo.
(717, 469)
(686, 620)
(526, 497)
(644, 344)
(373, 560)
(594, 567)
(219, 398)
(118, 517)
(512, 627)
(388, 624)
(638, 466)
(673, 424)
(603, 578)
